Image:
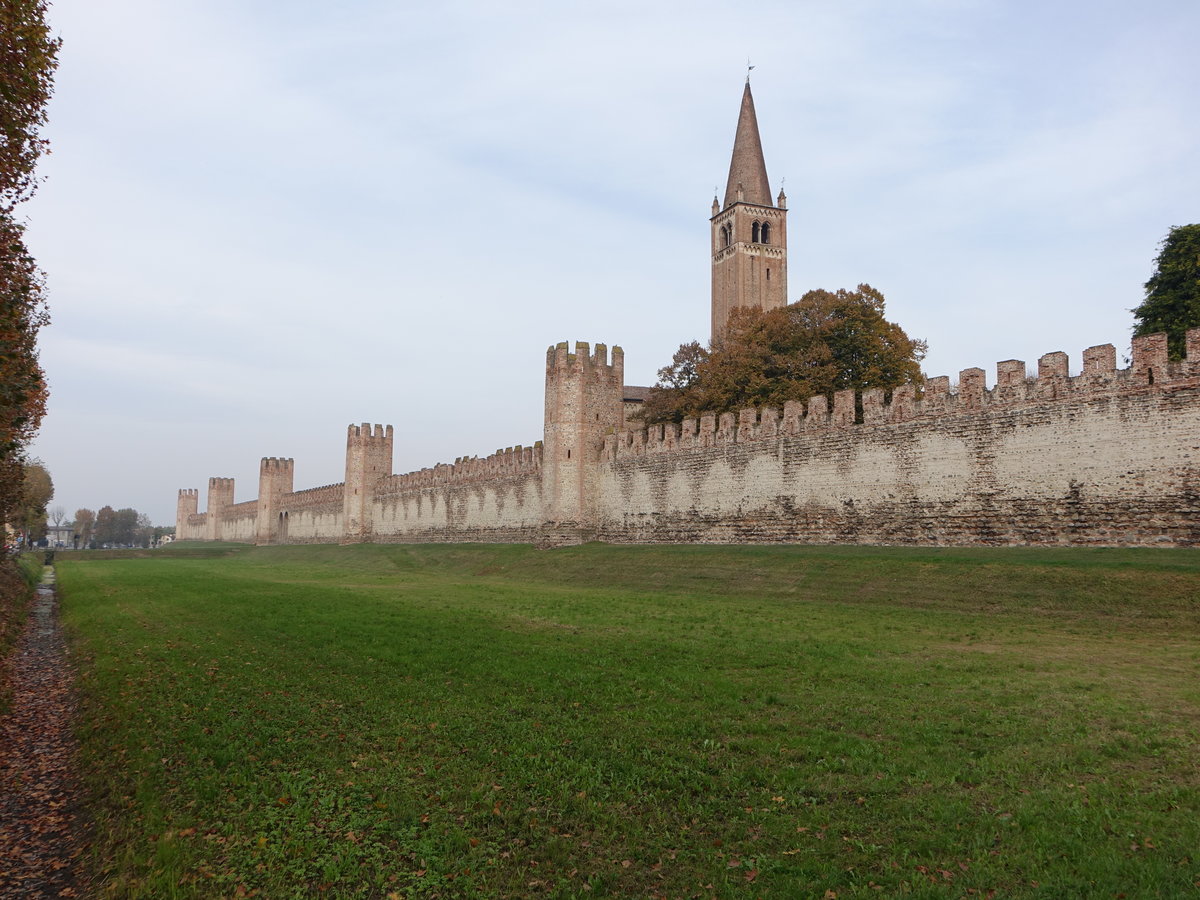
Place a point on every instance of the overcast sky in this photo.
(265, 220)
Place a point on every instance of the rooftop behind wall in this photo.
(1150, 368)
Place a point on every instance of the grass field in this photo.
(483, 721)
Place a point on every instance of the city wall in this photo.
(1106, 457)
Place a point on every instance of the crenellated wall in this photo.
(313, 516)
(1107, 457)
(498, 498)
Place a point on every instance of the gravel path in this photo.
(41, 819)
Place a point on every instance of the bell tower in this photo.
(749, 232)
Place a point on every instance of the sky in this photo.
(264, 220)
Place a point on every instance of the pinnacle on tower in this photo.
(747, 169)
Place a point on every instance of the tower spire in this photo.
(749, 233)
(747, 169)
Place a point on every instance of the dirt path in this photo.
(41, 821)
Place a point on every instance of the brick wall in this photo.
(1106, 457)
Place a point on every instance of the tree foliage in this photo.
(826, 341)
(105, 518)
(85, 520)
(28, 514)
(28, 57)
(116, 526)
(1172, 301)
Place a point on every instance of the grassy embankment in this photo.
(384, 721)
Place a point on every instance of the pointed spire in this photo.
(747, 170)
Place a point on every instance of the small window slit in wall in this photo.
(568, 454)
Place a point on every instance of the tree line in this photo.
(116, 528)
(28, 58)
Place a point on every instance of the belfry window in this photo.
(726, 233)
(765, 233)
(754, 232)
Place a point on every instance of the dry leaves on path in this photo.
(41, 818)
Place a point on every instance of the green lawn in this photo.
(458, 721)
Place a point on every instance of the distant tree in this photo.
(125, 524)
(85, 521)
(143, 534)
(1172, 301)
(105, 529)
(56, 514)
(28, 57)
(826, 341)
(29, 514)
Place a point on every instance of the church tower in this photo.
(749, 232)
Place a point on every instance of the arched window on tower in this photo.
(754, 232)
(765, 233)
(725, 235)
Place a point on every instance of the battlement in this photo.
(189, 492)
(327, 495)
(1150, 369)
(594, 364)
(238, 510)
(276, 465)
(506, 463)
(364, 433)
(220, 484)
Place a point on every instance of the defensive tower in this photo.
(187, 505)
(274, 480)
(749, 232)
(583, 404)
(368, 458)
(220, 495)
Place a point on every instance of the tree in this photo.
(144, 531)
(825, 342)
(1172, 301)
(124, 526)
(28, 515)
(28, 57)
(105, 520)
(678, 385)
(85, 520)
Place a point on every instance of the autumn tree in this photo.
(826, 341)
(105, 525)
(28, 57)
(28, 514)
(85, 520)
(1172, 301)
(143, 534)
